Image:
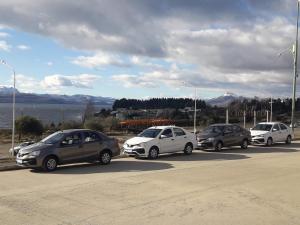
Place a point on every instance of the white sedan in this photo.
(271, 132)
(161, 139)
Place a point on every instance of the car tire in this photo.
(105, 158)
(218, 146)
(153, 153)
(269, 141)
(188, 149)
(288, 140)
(244, 144)
(50, 163)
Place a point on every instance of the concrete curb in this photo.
(10, 167)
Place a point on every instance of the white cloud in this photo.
(23, 47)
(49, 63)
(98, 60)
(26, 84)
(79, 81)
(5, 46)
(4, 34)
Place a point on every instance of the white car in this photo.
(161, 139)
(271, 132)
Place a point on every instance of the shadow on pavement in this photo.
(115, 166)
(276, 148)
(201, 156)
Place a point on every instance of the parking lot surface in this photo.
(260, 185)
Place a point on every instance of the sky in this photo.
(149, 48)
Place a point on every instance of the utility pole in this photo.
(254, 121)
(271, 113)
(295, 53)
(244, 119)
(227, 116)
(267, 116)
(195, 113)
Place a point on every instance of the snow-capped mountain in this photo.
(224, 100)
(7, 90)
(6, 97)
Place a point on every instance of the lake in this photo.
(46, 113)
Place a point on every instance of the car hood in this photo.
(258, 132)
(206, 135)
(138, 140)
(34, 147)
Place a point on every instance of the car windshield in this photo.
(53, 138)
(150, 133)
(213, 129)
(263, 127)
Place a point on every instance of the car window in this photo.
(228, 130)
(237, 129)
(283, 127)
(90, 137)
(168, 133)
(71, 139)
(178, 132)
(275, 127)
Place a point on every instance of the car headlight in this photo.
(211, 139)
(35, 153)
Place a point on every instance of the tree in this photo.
(93, 124)
(27, 125)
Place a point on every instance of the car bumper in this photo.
(27, 162)
(258, 140)
(135, 151)
(205, 144)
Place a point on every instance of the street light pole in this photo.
(195, 113)
(14, 102)
(295, 51)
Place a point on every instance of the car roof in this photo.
(74, 130)
(162, 127)
(270, 123)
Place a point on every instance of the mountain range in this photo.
(6, 92)
(6, 97)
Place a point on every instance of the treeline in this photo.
(158, 103)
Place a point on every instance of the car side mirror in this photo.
(162, 136)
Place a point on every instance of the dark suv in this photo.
(218, 136)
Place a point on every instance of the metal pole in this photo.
(227, 116)
(295, 71)
(14, 112)
(14, 102)
(195, 113)
(267, 116)
(244, 119)
(254, 121)
(271, 113)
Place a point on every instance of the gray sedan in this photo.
(69, 146)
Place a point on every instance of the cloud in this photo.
(79, 81)
(229, 45)
(49, 63)
(99, 59)
(23, 47)
(4, 46)
(4, 34)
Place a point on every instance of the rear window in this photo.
(178, 132)
(283, 127)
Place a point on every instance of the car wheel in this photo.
(50, 163)
(244, 144)
(218, 146)
(269, 141)
(188, 149)
(153, 153)
(105, 158)
(288, 140)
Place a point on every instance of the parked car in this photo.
(69, 146)
(218, 136)
(14, 151)
(271, 132)
(161, 139)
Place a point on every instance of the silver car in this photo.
(69, 146)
